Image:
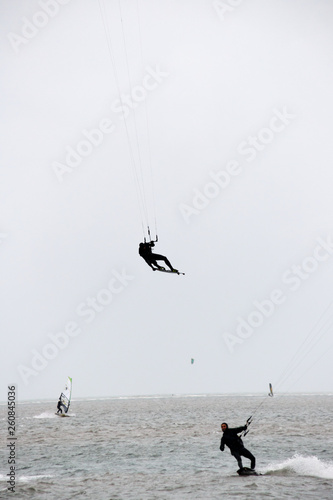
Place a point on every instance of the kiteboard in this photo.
(246, 471)
(62, 415)
(162, 270)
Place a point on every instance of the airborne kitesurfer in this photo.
(231, 439)
(151, 258)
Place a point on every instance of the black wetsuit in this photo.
(150, 257)
(234, 442)
(59, 406)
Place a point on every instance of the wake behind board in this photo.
(246, 471)
(162, 270)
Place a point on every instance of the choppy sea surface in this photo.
(167, 447)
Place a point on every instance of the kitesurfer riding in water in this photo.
(231, 439)
(151, 258)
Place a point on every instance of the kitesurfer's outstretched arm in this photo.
(237, 430)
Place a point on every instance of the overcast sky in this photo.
(232, 101)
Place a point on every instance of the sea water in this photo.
(167, 447)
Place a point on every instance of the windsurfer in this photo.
(231, 439)
(59, 406)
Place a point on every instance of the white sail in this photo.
(65, 396)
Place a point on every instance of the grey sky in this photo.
(240, 122)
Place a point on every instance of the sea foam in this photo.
(304, 466)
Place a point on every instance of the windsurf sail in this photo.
(65, 396)
(270, 391)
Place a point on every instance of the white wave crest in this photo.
(28, 479)
(304, 466)
(45, 414)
